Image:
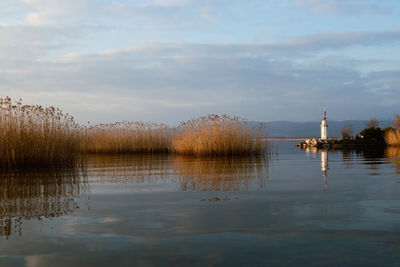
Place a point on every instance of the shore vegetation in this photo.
(33, 136)
(392, 137)
(126, 137)
(219, 135)
(392, 134)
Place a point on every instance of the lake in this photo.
(296, 207)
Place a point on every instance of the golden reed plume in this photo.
(392, 137)
(219, 135)
(32, 136)
(126, 137)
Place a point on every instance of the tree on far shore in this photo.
(372, 123)
(347, 131)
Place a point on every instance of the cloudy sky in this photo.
(170, 60)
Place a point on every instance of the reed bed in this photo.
(126, 137)
(33, 136)
(215, 135)
(392, 137)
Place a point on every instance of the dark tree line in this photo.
(372, 130)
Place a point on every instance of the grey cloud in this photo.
(177, 81)
(298, 46)
(24, 43)
(348, 7)
(312, 43)
(166, 3)
(320, 42)
(172, 82)
(290, 79)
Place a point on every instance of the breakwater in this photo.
(339, 143)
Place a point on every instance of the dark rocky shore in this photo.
(340, 143)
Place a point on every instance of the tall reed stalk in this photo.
(219, 135)
(126, 137)
(33, 136)
(392, 137)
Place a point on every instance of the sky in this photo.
(172, 60)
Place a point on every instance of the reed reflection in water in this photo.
(38, 195)
(191, 173)
(392, 153)
(221, 174)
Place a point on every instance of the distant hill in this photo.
(289, 129)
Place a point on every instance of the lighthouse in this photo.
(324, 127)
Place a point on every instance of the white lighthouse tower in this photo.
(324, 127)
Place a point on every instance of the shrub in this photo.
(372, 133)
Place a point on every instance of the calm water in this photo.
(299, 207)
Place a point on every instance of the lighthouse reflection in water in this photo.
(324, 165)
(324, 161)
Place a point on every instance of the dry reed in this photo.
(392, 137)
(219, 135)
(33, 136)
(126, 137)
